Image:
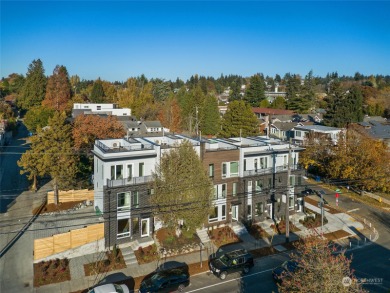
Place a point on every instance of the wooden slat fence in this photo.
(71, 195)
(45, 247)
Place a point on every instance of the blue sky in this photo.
(118, 40)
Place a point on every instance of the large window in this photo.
(249, 211)
(129, 172)
(135, 225)
(224, 190)
(291, 202)
(259, 208)
(233, 169)
(211, 170)
(123, 201)
(224, 170)
(141, 170)
(220, 191)
(116, 172)
(134, 199)
(256, 166)
(123, 228)
(244, 164)
(214, 215)
(223, 212)
(259, 185)
(229, 169)
(263, 162)
(234, 192)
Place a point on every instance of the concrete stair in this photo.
(203, 235)
(129, 256)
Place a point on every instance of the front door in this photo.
(235, 213)
(144, 227)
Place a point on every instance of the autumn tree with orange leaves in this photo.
(170, 115)
(88, 128)
(58, 90)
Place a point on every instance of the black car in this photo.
(284, 271)
(170, 280)
(307, 191)
(235, 261)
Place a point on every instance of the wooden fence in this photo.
(71, 195)
(45, 247)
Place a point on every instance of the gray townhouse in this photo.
(249, 176)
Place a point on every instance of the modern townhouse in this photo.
(249, 177)
(301, 133)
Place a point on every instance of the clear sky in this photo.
(118, 40)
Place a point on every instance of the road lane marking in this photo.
(224, 282)
(354, 210)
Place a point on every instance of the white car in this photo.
(110, 288)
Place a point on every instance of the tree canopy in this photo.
(210, 122)
(37, 117)
(255, 91)
(97, 94)
(34, 87)
(319, 269)
(182, 189)
(239, 120)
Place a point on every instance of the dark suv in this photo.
(166, 281)
(235, 261)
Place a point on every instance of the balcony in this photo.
(294, 167)
(126, 181)
(256, 172)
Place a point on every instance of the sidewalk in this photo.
(341, 221)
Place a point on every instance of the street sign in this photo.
(337, 195)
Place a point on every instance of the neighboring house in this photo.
(100, 109)
(301, 133)
(143, 128)
(284, 130)
(377, 128)
(261, 112)
(249, 177)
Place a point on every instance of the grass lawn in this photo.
(52, 271)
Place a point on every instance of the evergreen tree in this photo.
(295, 100)
(235, 91)
(34, 87)
(210, 123)
(239, 120)
(182, 189)
(58, 90)
(37, 117)
(97, 94)
(278, 103)
(308, 90)
(255, 92)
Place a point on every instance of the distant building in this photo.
(301, 133)
(377, 128)
(143, 128)
(100, 109)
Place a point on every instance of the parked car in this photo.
(230, 262)
(307, 191)
(110, 288)
(284, 270)
(170, 280)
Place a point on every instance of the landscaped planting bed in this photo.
(174, 245)
(280, 227)
(52, 271)
(222, 236)
(113, 261)
(258, 232)
(146, 254)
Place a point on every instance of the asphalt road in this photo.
(12, 184)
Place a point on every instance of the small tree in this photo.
(182, 189)
(319, 269)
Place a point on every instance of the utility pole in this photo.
(196, 121)
(288, 193)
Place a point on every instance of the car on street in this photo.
(284, 270)
(170, 280)
(238, 260)
(110, 288)
(307, 191)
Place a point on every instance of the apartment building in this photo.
(249, 176)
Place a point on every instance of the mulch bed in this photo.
(327, 207)
(111, 263)
(64, 206)
(222, 236)
(146, 254)
(281, 227)
(257, 232)
(52, 271)
(336, 235)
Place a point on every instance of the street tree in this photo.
(34, 87)
(37, 117)
(182, 189)
(58, 90)
(52, 147)
(255, 91)
(319, 269)
(239, 120)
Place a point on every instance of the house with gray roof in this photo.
(301, 133)
(377, 128)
